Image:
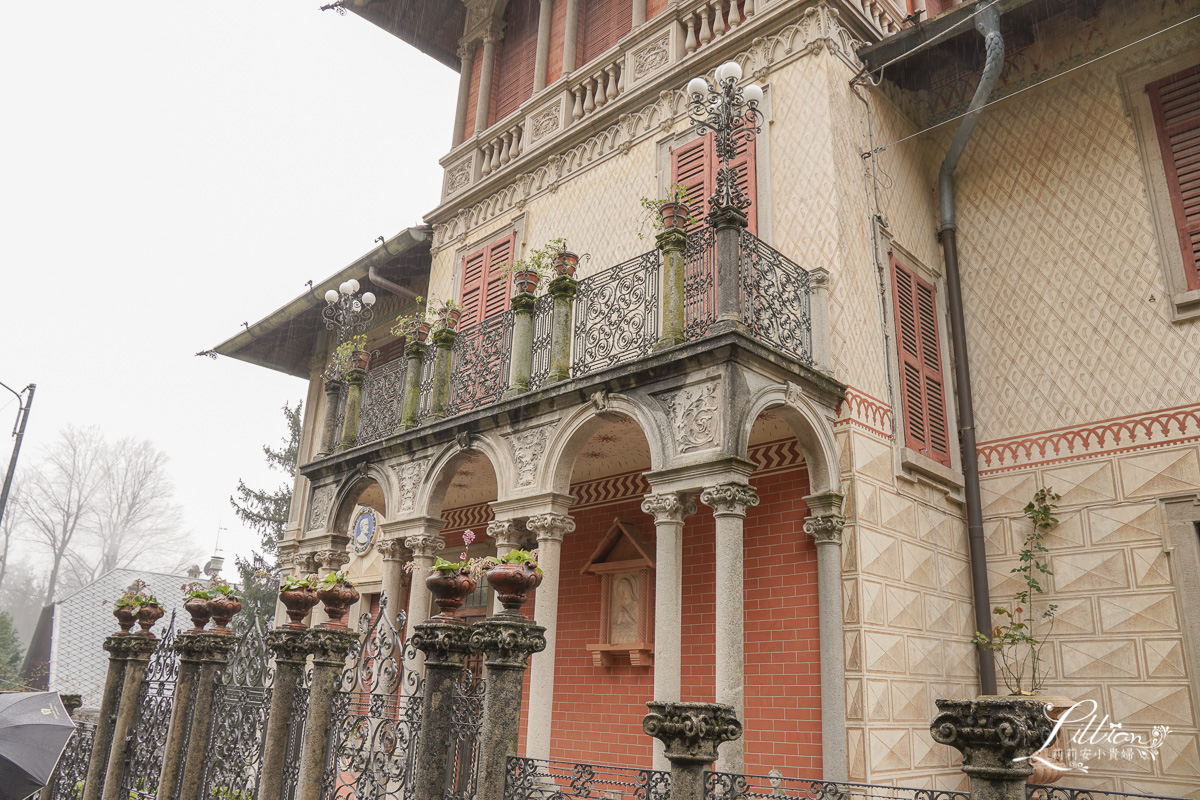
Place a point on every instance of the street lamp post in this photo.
(23, 406)
(730, 111)
(347, 312)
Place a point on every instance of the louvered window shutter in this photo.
(695, 166)
(604, 22)
(514, 68)
(922, 387)
(496, 287)
(471, 295)
(1176, 104)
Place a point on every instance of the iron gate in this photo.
(146, 743)
(67, 781)
(462, 751)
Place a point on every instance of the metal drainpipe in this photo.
(988, 24)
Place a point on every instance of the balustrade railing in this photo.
(481, 357)
(539, 779)
(600, 83)
(616, 314)
(379, 414)
(776, 298)
(500, 146)
(730, 786)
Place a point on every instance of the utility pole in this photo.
(23, 407)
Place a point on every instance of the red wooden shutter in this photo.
(1176, 104)
(747, 179)
(471, 295)
(922, 387)
(695, 166)
(514, 67)
(604, 22)
(496, 287)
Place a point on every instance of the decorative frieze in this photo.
(652, 57)
(319, 505)
(408, 479)
(695, 413)
(528, 447)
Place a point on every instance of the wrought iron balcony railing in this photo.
(540, 779)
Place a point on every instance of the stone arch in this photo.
(577, 429)
(445, 465)
(352, 488)
(811, 426)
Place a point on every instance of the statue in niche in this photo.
(623, 563)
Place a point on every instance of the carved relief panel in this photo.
(623, 563)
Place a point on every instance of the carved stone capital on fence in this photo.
(445, 644)
(523, 303)
(668, 507)
(550, 527)
(826, 529)
(507, 640)
(730, 498)
(329, 646)
(204, 646)
(71, 702)
(415, 350)
(288, 646)
(563, 288)
(691, 732)
(672, 240)
(123, 646)
(990, 732)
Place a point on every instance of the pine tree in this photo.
(266, 512)
(11, 654)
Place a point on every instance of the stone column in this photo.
(991, 732)
(329, 647)
(541, 62)
(118, 647)
(672, 243)
(639, 13)
(137, 650)
(354, 382)
(825, 527)
(819, 316)
(333, 390)
(290, 648)
(211, 652)
(729, 502)
(185, 688)
(488, 67)
(507, 641)
(446, 643)
(521, 360)
(562, 289)
(668, 511)
(570, 38)
(691, 734)
(466, 59)
(729, 223)
(549, 529)
(395, 555)
(411, 402)
(443, 339)
(424, 546)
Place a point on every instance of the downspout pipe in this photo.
(987, 22)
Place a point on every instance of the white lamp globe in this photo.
(331, 296)
(353, 285)
(369, 298)
(697, 86)
(730, 69)
(345, 287)
(753, 93)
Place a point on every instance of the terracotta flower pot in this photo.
(420, 331)
(449, 589)
(126, 616)
(222, 609)
(197, 608)
(449, 317)
(337, 600)
(566, 262)
(360, 359)
(674, 215)
(526, 281)
(512, 583)
(147, 615)
(297, 602)
(1045, 760)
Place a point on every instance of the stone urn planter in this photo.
(147, 615)
(565, 262)
(222, 608)
(449, 317)
(297, 603)
(337, 598)
(513, 583)
(1045, 760)
(674, 215)
(449, 588)
(126, 617)
(197, 609)
(419, 332)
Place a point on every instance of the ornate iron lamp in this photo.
(346, 311)
(731, 112)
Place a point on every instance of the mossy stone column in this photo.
(691, 733)
(177, 731)
(507, 640)
(520, 364)
(672, 242)
(446, 643)
(118, 648)
(290, 648)
(990, 732)
(329, 647)
(333, 390)
(211, 652)
(443, 339)
(137, 650)
(562, 289)
(354, 382)
(415, 353)
(729, 223)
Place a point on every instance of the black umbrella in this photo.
(34, 729)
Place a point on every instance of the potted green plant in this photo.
(298, 595)
(336, 594)
(513, 576)
(126, 606)
(449, 312)
(415, 326)
(673, 212)
(223, 603)
(349, 355)
(149, 611)
(541, 262)
(195, 602)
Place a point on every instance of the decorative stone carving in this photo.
(392, 550)
(550, 527)
(730, 498)
(668, 507)
(322, 499)
(204, 646)
(600, 401)
(507, 641)
(695, 416)
(545, 122)
(506, 532)
(625, 566)
(408, 478)
(329, 646)
(692, 732)
(127, 646)
(795, 395)
(445, 644)
(288, 646)
(458, 177)
(332, 560)
(825, 529)
(464, 440)
(527, 448)
(304, 563)
(363, 530)
(425, 546)
(652, 56)
(991, 732)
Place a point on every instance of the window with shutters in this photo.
(695, 166)
(513, 82)
(485, 281)
(1175, 102)
(919, 356)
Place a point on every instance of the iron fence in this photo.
(543, 326)
(481, 357)
(425, 387)
(538, 779)
(376, 714)
(67, 781)
(699, 282)
(147, 742)
(616, 314)
(466, 720)
(776, 298)
(380, 408)
(1067, 793)
(730, 786)
(297, 719)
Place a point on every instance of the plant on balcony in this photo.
(673, 212)
(195, 602)
(449, 313)
(349, 355)
(1015, 638)
(415, 326)
(542, 262)
(223, 603)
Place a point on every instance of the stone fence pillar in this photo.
(990, 732)
(137, 650)
(729, 223)
(562, 289)
(520, 364)
(691, 733)
(443, 367)
(118, 647)
(672, 242)
(411, 402)
(329, 647)
(507, 640)
(333, 390)
(446, 643)
(207, 653)
(291, 651)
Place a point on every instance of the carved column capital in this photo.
(730, 498)
(466, 51)
(129, 646)
(669, 507)
(507, 532)
(826, 529)
(332, 560)
(424, 545)
(507, 641)
(445, 644)
(692, 732)
(550, 527)
(204, 646)
(329, 646)
(991, 732)
(392, 550)
(289, 647)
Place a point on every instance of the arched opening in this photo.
(359, 516)
(469, 486)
